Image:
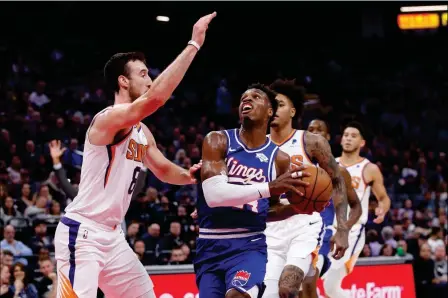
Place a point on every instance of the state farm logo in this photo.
(372, 291)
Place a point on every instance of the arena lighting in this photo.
(424, 8)
(162, 18)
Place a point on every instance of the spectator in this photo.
(16, 247)
(140, 251)
(177, 257)
(132, 233)
(5, 276)
(47, 283)
(21, 285)
(373, 240)
(152, 237)
(41, 239)
(366, 252)
(435, 238)
(388, 235)
(424, 271)
(6, 257)
(167, 243)
(440, 266)
(387, 250)
(8, 210)
(39, 209)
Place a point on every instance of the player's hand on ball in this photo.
(289, 181)
(200, 28)
(339, 243)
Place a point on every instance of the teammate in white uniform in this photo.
(293, 242)
(91, 249)
(366, 176)
(309, 285)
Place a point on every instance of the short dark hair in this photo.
(269, 92)
(7, 252)
(358, 126)
(324, 121)
(294, 92)
(116, 66)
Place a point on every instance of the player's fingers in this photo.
(63, 150)
(293, 189)
(297, 182)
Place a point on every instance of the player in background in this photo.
(293, 243)
(239, 173)
(366, 176)
(309, 286)
(91, 249)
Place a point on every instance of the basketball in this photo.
(316, 195)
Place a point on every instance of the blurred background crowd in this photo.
(51, 86)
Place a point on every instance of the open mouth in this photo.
(246, 108)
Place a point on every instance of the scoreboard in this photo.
(421, 19)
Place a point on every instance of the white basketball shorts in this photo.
(90, 255)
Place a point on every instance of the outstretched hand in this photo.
(56, 150)
(200, 28)
(193, 171)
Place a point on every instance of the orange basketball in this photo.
(316, 195)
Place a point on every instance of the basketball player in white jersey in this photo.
(366, 177)
(309, 285)
(91, 249)
(293, 242)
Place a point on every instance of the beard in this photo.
(350, 150)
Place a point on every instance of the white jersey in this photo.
(108, 177)
(359, 184)
(294, 147)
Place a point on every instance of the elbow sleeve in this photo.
(218, 192)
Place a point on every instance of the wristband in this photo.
(57, 166)
(195, 44)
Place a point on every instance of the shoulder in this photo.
(215, 137)
(371, 170)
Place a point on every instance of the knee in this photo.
(232, 293)
(290, 281)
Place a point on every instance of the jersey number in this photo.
(252, 206)
(134, 179)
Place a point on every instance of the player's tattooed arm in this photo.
(317, 147)
(164, 169)
(290, 281)
(353, 200)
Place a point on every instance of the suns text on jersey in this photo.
(136, 151)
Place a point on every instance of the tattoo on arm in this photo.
(290, 281)
(317, 147)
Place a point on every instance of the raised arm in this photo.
(218, 192)
(56, 152)
(122, 116)
(353, 200)
(373, 173)
(317, 147)
(163, 168)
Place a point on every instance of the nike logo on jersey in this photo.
(255, 239)
(312, 223)
(260, 194)
(231, 150)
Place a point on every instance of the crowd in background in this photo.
(403, 105)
